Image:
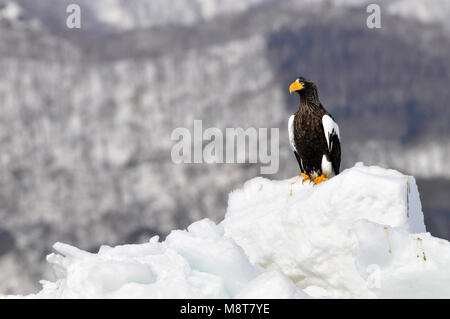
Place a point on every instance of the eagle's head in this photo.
(303, 86)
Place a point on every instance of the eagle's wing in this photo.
(331, 130)
(292, 142)
(291, 133)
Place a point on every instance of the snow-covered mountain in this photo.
(358, 235)
(86, 115)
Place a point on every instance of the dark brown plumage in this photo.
(315, 154)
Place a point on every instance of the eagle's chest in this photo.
(308, 133)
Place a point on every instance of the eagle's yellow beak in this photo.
(295, 86)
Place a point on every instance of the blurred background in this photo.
(87, 114)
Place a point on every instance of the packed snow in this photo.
(197, 263)
(399, 264)
(307, 231)
(360, 234)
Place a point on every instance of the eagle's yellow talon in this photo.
(305, 177)
(320, 179)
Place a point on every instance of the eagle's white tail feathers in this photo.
(327, 168)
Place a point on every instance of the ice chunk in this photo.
(306, 231)
(397, 264)
(197, 263)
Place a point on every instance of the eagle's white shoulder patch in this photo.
(291, 133)
(330, 127)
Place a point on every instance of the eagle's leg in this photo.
(320, 179)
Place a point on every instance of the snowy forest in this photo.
(87, 114)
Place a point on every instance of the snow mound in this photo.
(308, 232)
(359, 235)
(197, 263)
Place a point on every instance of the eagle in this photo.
(313, 135)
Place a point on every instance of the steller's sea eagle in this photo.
(313, 135)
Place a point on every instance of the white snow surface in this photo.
(197, 263)
(307, 231)
(406, 265)
(360, 234)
